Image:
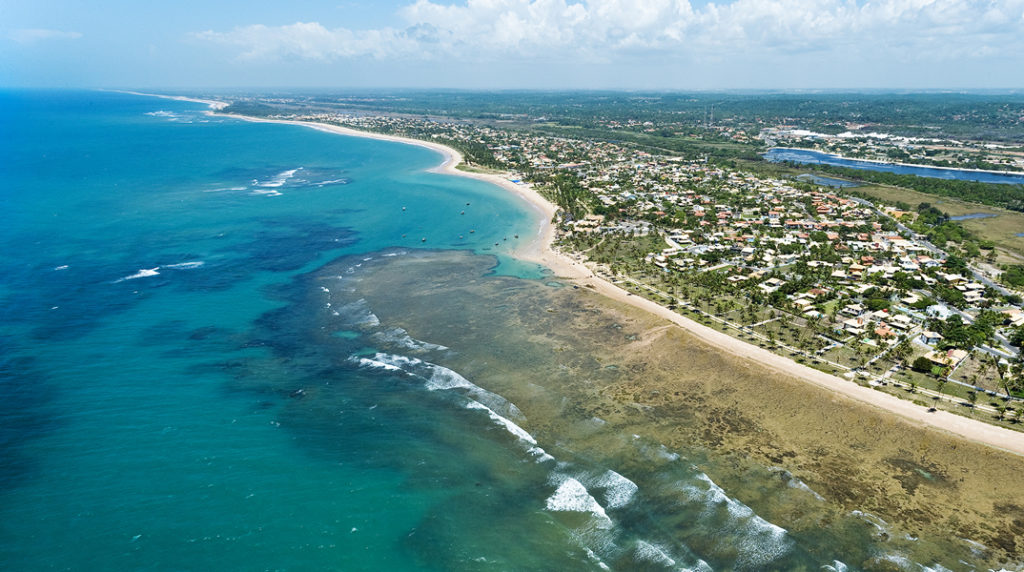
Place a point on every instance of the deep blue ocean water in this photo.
(819, 158)
(192, 378)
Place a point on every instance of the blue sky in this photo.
(508, 44)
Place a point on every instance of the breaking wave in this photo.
(143, 273)
(572, 496)
(399, 337)
(758, 542)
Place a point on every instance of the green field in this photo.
(1003, 228)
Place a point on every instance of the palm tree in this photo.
(901, 351)
(972, 396)
(983, 367)
(993, 362)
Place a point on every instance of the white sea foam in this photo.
(400, 337)
(267, 192)
(511, 427)
(802, 486)
(647, 552)
(572, 496)
(162, 113)
(795, 483)
(280, 179)
(372, 363)
(618, 490)
(660, 452)
(440, 378)
(540, 454)
(444, 378)
(758, 541)
(836, 566)
(436, 377)
(359, 314)
(596, 559)
(332, 182)
(186, 265)
(901, 561)
(143, 273)
(976, 547)
(61, 267)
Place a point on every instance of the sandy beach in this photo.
(540, 250)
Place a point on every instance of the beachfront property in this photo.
(834, 281)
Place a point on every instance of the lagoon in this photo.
(806, 156)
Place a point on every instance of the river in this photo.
(779, 155)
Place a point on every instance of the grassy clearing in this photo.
(1001, 229)
(478, 169)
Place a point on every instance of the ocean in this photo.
(251, 346)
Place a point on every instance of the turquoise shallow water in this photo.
(142, 240)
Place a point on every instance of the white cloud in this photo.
(34, 35)
(311, 41)
(610, 30)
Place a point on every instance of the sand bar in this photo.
(540, 250)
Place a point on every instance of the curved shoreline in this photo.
(540, 250)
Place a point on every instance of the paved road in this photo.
(934, 249)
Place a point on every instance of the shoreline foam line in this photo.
(540, 251)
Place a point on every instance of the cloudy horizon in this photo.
(509, 44)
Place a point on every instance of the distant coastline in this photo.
(540, 250)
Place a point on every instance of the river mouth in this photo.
(635, 441)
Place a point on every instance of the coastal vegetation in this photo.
(980, 116)
(876, 283)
